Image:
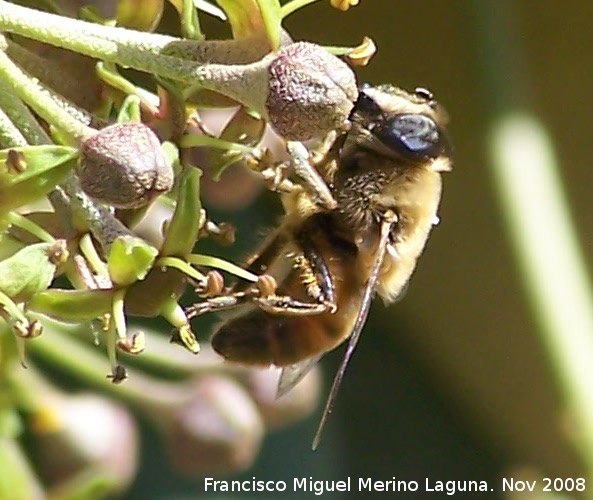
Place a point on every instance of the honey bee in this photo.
(385, 176)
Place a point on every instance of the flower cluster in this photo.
(101, 218)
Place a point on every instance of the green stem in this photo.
(224, 265)
(51, 73)
(140, 390)
(75, 34)
(21, 117)
(190, 24)
(118, 316)
(246, 83)
(198, 140)
(542, 232)
(30, 389)
(95, 218)
(163, 357)
(10, 135)
(30, 226)
(17, 477)
(180, 265)
(92, 257)
(40, 100)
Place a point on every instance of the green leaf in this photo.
(43, 167)
(72, 305)
(184, 226)
(129, 260)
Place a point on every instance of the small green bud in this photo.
(129, 260)
(83, 435)
(31, 269)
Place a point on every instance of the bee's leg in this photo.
(317, 280)
(273, 246)
(267, 301)
(217, 304)
(273, 173)
(314, 182)
(288, 306)
(312, 274)
(243, 293)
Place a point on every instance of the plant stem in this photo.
(223, 265)
(21, 117)
(39, 99)
(290, 7)
(30, 226)
(97, 219)
(73, 33)
(141, 391)
(10, 135)
(246, 83)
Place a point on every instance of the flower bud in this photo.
(129, 260)
(218, 431)
(295, 405)
(310, 91)
(123, 166)
(72, 434)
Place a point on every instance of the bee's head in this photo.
(392, 122)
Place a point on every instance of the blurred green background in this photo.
(452, 382)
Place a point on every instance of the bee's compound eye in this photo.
(413, 136)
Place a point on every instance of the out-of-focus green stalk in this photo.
(556, 276)
(532, 200)
(17, 479)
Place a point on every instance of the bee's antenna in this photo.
(389, 218)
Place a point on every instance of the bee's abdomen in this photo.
(259, 338)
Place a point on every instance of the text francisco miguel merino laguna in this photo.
(320, 487)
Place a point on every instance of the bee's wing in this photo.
(291, 375)
(389, 220)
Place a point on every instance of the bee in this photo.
(385, 176)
